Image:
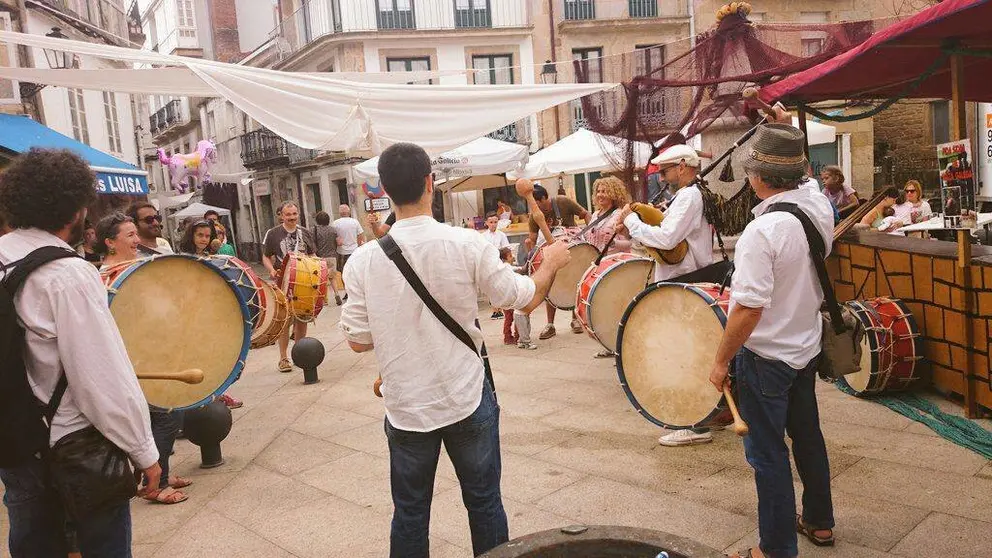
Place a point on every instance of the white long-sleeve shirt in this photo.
(683, 221)
(430, 379)
(68, 326)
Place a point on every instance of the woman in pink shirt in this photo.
(611, 195)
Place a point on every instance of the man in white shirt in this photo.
(497, 238)
(69, 331)
(433, 386)
(773, 334)
(350, 235)
(684, 220)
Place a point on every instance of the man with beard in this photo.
(74, 358)
(149, 223)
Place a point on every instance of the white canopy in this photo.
(315, 111)
(198, 209)
(480, 156)
(819, 134)
(583, 151)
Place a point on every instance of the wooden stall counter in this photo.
(952, 304)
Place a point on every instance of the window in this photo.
(580, 9)
(940, 112)
(77, 113)
(9, 91)
(472, 13)
(757, 17)
(187, 23)
(396, 14)
(812, 47)
(813, 42)
(591, 64)
(113, 122)
(211, 125)
(495, 69)
(643, 8)
(650, 60)
(409, 65)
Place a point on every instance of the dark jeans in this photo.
(38, 528)
(473, 446)
(776, 399)
(165, 427)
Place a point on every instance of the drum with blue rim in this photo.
(247, 281)
(175, 313)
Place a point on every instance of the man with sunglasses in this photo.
(149, 223)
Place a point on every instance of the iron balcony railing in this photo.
(473, 15)
(643, 8)
(263, 147)
(516, 132)
(165, 117)
(299, 154)
(580, 10)
(106, 15)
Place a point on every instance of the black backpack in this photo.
(23, 431)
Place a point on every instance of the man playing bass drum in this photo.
(684, 221)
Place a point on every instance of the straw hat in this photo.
(777, 150)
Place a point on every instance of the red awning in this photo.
(884, 65)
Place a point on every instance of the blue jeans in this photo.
(38, 527)
(165, 427)
(473, 446)
(776, 399)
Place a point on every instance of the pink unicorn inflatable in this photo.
(198, 164)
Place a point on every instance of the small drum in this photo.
(304, 280)
(274, 318)
(561, 295)
(890, 348)
(177, 312)
(667, 342)
(606, 290)
(247, 281)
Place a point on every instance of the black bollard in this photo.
(308, 353)
(206, 427)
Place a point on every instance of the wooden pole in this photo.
(802, 126)
(959, 131)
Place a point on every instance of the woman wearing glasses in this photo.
(149, 224)
(914, 209)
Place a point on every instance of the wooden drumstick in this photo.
(772, 114)
(740, 427)
(525, 189)
(377, 387)
(191, 376)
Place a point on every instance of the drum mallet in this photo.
(191, 376)
(740, 427)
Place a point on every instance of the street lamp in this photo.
(57, 60)
(549, 73)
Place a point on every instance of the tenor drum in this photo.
(606, 290)
(177, 312)
(247, 281)
(666, 344)
(274, 318)
(304, 281)
(561, 295)
(890, 349)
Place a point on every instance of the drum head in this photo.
(562, 292)
(612, 294)
(861, 380)
(667, 344)
(176, 313)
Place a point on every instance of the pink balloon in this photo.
(182, 166)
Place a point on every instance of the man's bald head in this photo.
(344, 210)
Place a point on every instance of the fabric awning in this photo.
(583, 151)
(478, 157)
(198, 209)
(113, 176)
(893, 59)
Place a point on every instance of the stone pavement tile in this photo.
(731, 490)
(918, 487)
(155, 523)
(921, 429)
(842, 548)
(573, 355)
(368, 438)
(526, 381)
(525, 406)
(941, 535)
(257, 495)
(210, 534)
(870, 522)
(527, 437)
(598, 371)
(329, 527)
(346, 396)
(599, 394)
(986, 472)
(619, 423)
(139, 550)
(911, 449)
(361, 479)
(854, 410)
(606, 502)
(663, 471)
(449, 519)
(527, 480)
(324, 422)
(293, 453)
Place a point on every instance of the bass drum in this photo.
(606, 290)
(275, 318)
(561, 295)
(304, 281)
(666, 345)
(891, 347)
(176, 312)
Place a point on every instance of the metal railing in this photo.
(263, 146)
(299, 154)
(579, 117)
(473, 17)
(580, 10)
(516, 132)
(165, 117)
(643, 8)
(396, 19)
(103, 14)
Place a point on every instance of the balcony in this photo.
(106, 15)
(165, 117)
(580, 9)
(317, 19)
(516, 132)
(263, 148)
(643, 8)
(585, 10)
(298, 155)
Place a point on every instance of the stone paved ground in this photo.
(307, 469)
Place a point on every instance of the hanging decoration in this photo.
(196, 164)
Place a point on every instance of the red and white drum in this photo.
(561, 295)
(605, 291)
(666, 345)
(890, 349)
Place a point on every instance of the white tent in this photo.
(583, 151)
(198, 209)
(819, 134)
(481, 156)
(312, 110)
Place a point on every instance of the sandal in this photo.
(285, 365)
(167, 496)
(179, 482)
(605, 353)
(810, 534)
(748, 554)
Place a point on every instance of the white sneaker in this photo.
(685, 438)
(528, 346)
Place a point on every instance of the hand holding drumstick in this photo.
(525, 189)
(718, 377)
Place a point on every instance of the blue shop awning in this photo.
(113, 176)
